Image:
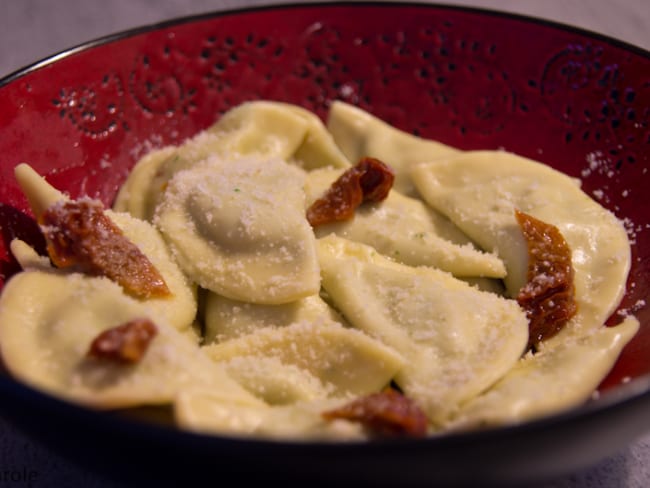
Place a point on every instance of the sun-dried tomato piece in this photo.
(386, 413)
(376, 179)
(549, 295)
(125, 343)
(78, 233)
(369, 181)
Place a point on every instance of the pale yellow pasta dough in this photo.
(479, 192)
(259, 129)
(457, 340)
(318, 148)
(276, 382)
(203, 411)
(360, 134)
(180, 308)
(346, 361)
(408, 231)
(228, 319)
(40, 194)
(228, 208)
(48, 321)
(240, 229)
(552, 380)
(273, 374)
(133, 196)
(27, 257)
(194, 333)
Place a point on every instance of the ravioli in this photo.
(552, 380)
(274, 381)
(294, 321)
(360, 134)
(318, 148)
(27, 257)
(48, 321)
(260, 129)
(345, 360)
(228, 319)
(179, 308)
(294, 352)
(408, 231)
(479, 191)
(237, 232)
(39, 193)
(458, 340)
(203, 411)
(133, 196)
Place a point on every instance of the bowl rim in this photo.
(186, 19)
(633, 391)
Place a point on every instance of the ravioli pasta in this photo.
(228, 319)
(360, 134)
(236, 232)
(48, 320)
(263, 130)
(479, 192)
(271, 323)
(419, 236)
(459, 340)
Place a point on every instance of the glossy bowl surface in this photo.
(473, 79)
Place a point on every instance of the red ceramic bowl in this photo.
(469, 78)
